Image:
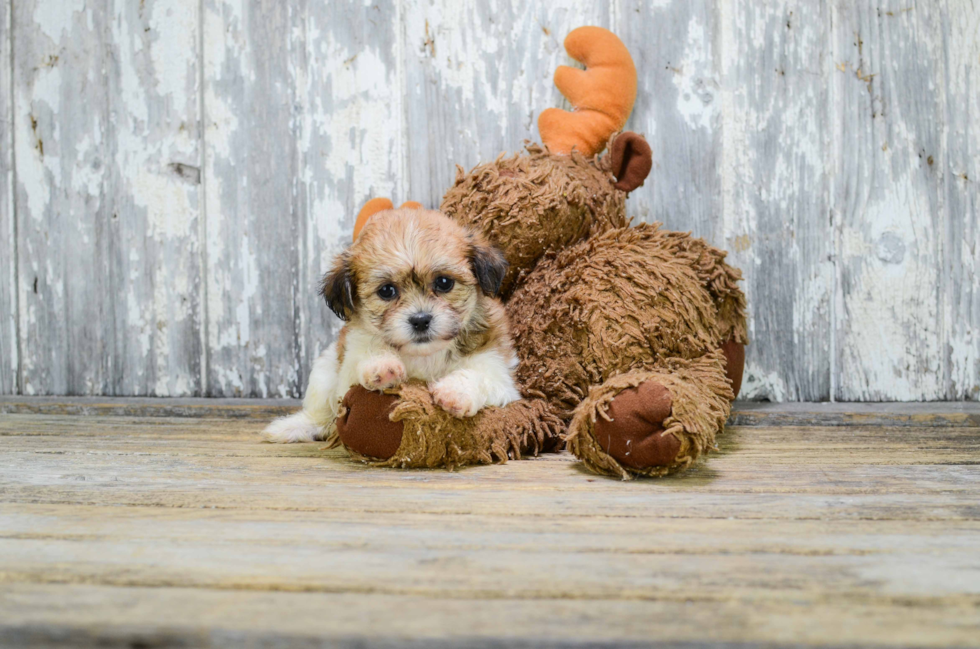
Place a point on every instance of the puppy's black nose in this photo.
(420, 321)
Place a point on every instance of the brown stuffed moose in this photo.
(630, 338)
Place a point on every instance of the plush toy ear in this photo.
(489, 266)
(376, 205)
(370, 208)
(630, 159)
(338, 288)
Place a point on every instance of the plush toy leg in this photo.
(652, 422)
(407, 430)
(734, 364)
(721, 280)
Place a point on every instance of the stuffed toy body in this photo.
(630, 338)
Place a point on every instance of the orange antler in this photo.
(376, 205)
(602, 94)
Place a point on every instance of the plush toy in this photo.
(630, 339)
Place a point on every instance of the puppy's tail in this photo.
(294, 428)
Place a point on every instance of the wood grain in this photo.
(252, 188)
(961, 191)
(776, 112)
(107, 146)
(476, 78)
(849, 473)
(9, 354)
(77, 615)
(352, 146)
(152, 332)
(679, 110)
(888, 200)
(61, 120)
(922, 415)
(176, 176)
(120, 530)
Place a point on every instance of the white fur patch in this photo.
(461, 386)
(292, 429)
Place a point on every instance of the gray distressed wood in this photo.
(733, 98)
(9, 362)
(119, 531)
(61, 123)
(961, 253)
(888, 201)
(775, 63)
(352, 143)
(476, 78)
(107, 152)
(177, 252)
(679, 110)
(252, 188)
(744, 413)
(153, 189)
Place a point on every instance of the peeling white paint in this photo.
(173, 49)
(760, 384)
(9, 353)
(695, 79)
(55, 21)
(891, 331)
(764, 124)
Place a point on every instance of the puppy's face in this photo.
(415, 278)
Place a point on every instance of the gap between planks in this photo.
(919, 414)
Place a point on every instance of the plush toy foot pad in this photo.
(408, 430)
(635, 436)
(366, 427)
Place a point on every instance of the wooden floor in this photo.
(185, 531)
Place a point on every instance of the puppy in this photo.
(418, 292)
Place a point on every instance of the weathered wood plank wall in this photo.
(105, 114)
(176, 175)
(9, 354)
(960, 47)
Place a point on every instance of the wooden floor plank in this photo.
(744, 413)
(653, 560)
(208, 617)
(186, 531)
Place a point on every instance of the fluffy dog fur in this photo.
(418, 292)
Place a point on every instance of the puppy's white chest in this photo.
(427, 368)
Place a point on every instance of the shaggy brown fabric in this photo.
(532, 204)
(633, 433)
(624, 300)
(631, 159)
(734, 364)
(700, 403)
(626, 332)
(431, 437)
(365, 425)
(721, 281)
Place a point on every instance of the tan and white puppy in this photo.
(417, 291)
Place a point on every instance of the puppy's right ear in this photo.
(488, 264)
(338, 288)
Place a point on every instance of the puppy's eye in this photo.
(444, 284)
(388, 292)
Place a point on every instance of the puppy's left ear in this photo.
(489, 266)
(338, 288)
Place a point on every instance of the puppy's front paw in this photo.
(455, 397)
(381, 373)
